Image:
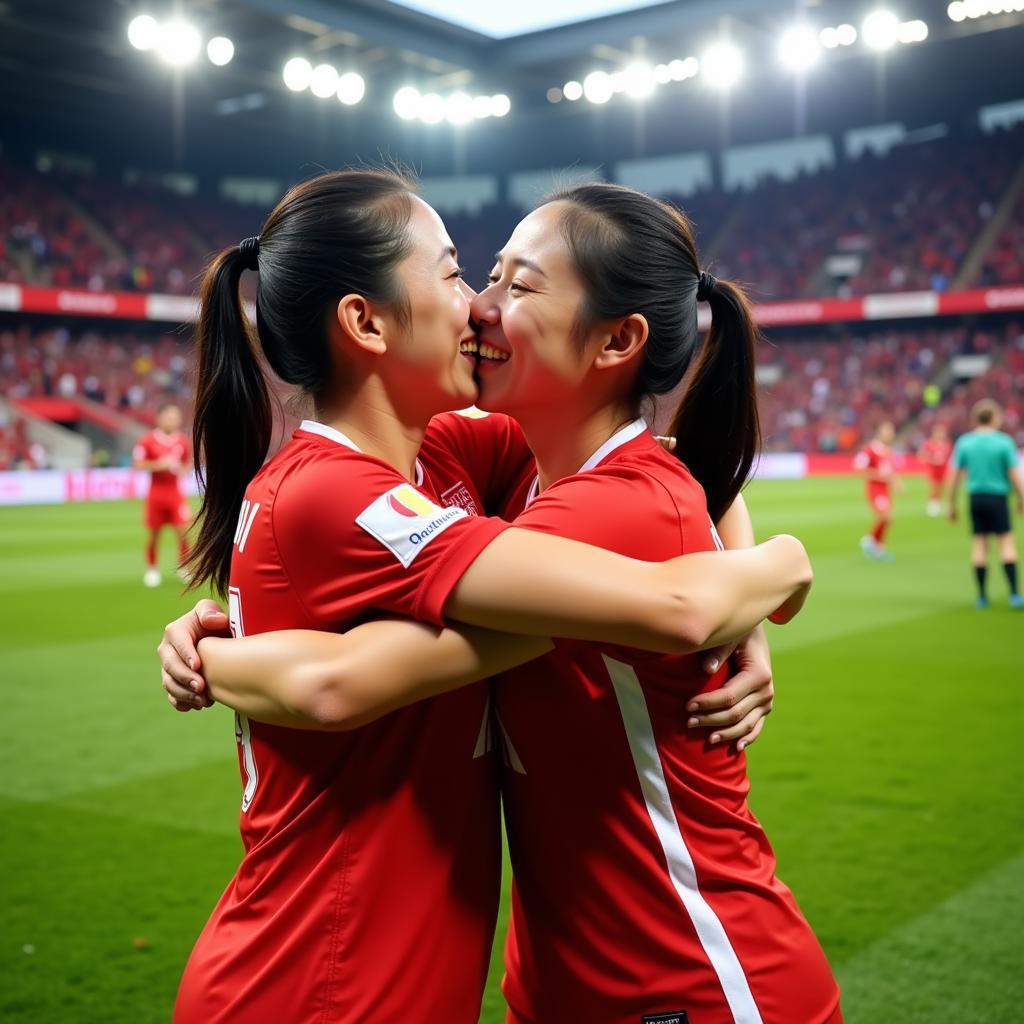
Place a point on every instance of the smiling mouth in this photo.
(484, 352)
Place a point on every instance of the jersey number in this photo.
(242, 737)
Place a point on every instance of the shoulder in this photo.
(472, 426)
(321, 491)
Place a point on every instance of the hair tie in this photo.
(705, 286)
(250, 250)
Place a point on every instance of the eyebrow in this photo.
(449, 250)
(520, 261)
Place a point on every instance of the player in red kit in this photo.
(935, 453)
(645, 888)
(368, 887)
(875, 461)
(165, 454)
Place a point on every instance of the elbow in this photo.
(324, 698)
(691, 625)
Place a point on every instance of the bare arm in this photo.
(337, 681)
(1018, 485)
(955, 480)
(532, 583)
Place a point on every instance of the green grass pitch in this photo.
(889, 778)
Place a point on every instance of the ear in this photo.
(623, 343)
(362, 324)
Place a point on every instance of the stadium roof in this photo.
(499, 21)
(69, 79)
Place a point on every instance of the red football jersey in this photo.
(369, 885)
(876, 458)
(164, 483)
(643, 883)
(936, 453)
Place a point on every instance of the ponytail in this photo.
(233, 422)
(716, 426)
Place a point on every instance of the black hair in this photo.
(336, 234)
(636, 254)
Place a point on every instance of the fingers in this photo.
(751, 737)
(752, 680)
(211, 616)
(744, 731)
(713, 659)
(182, 692)
(732, 715)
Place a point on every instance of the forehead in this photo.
(539, 235)
(426, 227)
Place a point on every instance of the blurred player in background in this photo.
(165, 453)
(988, 459)
(935, 454)
(875, 461)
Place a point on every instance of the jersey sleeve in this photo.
(490, 447)
(622, 509)
(958, 455)
(141, 451)
(1012, 455)
(355, 537)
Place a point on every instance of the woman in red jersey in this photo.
(665, 901)
(358, 848)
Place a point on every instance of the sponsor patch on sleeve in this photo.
(405, 521)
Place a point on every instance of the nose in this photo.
(467, 289)
(483, 309)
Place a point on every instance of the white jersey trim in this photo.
(651, 774)
(333, 434)
(617, 440)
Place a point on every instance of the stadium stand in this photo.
(904, 221)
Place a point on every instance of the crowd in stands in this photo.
(821, 393)
(900, 222)
(829, 393)
(128, 372)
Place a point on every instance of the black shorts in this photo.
(990, 513)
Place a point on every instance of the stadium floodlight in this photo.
(722, 65)
(220, 50)
(846, 35)
(618, 80)
(597, 87)
(638, 80)
(324, 81)
(799, 49)
(680, 70)
(957, 10)
(407, 102)
(913, 32)
(297, 74)
(179, 43)
(481, 107)
(975, 8)
(880, 30)
(458, 108)
(431, 108)
(662, 75)
(143, 32)
(572, 91)
(500, 105)
(554, 94)
(351, 88)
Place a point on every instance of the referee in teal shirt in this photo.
(988, 459)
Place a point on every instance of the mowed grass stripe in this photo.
(907, 976)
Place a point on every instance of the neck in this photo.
(369, 417)
(563, 439)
